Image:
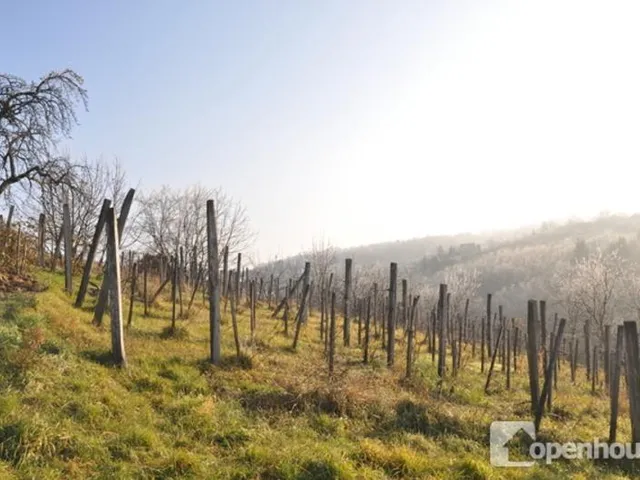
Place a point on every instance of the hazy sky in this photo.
(359, 120)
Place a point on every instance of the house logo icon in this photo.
(500, 434)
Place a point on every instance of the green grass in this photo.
(66, 412)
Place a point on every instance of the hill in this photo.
(511, 265)
(66, 412)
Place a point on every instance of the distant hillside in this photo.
(513, 265)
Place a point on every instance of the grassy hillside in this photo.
(65, 412)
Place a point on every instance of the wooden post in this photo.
(462, 332)
(225, 270)
(214, 286)
(306, 284)
(516, 334)
(252, 310)
(9, 217)
(548, 376)
(374, 314)
(196, 285)
(607, 357)
(41, 220)
(237, 279)
(442, 341)
(101, 302)
(493, 359)
(632, 368)
(270, 293)
(346, 326)
(359, 317)
(180, 279)
(113, 288)
(174, 289)
(405, 304)
(488, 329)
(502, 345)
(234, 321)
(587, 347)
(367, 327)
(288, 294)
(332, 333)
(134, 276)
(410, 336)
(482, 343)
(300, 316)
(68, 254)
(615, 385)
(532, 353)
(391, 320)
(543, 333)
(145, 279)
(594, 372)
(508, 353)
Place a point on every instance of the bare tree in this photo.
(34, 117)
(588, 288)
(323, 259)
(463, 283)
(170, 218)
(87, 185)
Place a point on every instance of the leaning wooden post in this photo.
(134, 277)
(84, 283)
(493, 359)
(101, 303)
(532, 353)
(346, 326)
(548, 376)
(300, 315)
(391, 321)
(66, 228)
(615, 385)
(113, 288)
(9, 217)
(234, 321)
(214, 286)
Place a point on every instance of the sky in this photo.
(356, 121)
